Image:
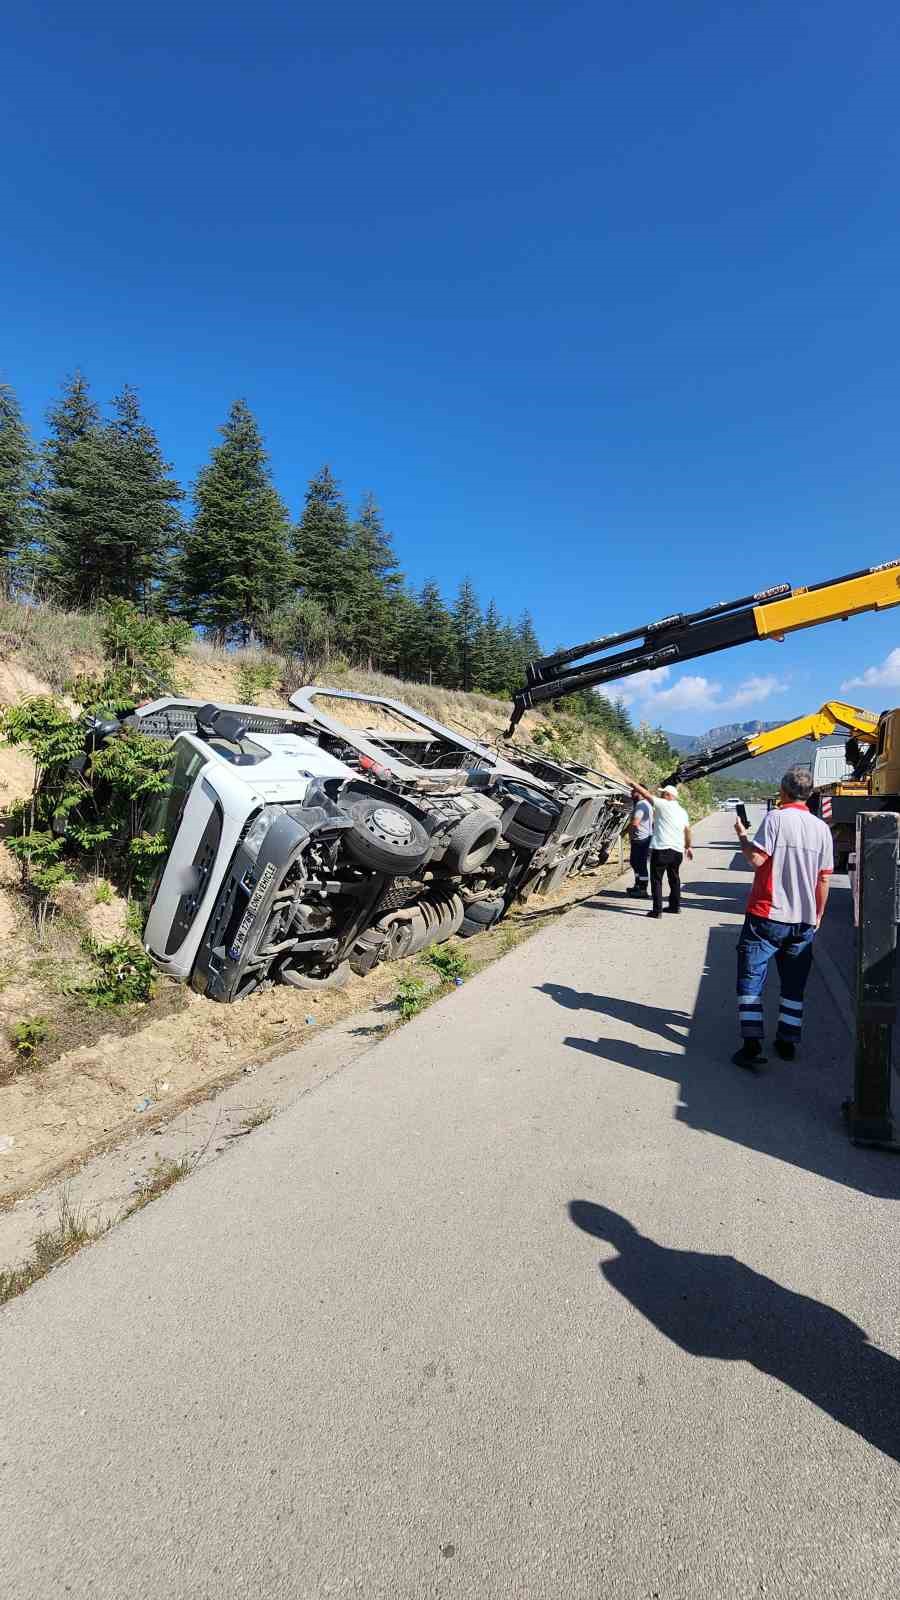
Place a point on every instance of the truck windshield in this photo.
(166, 814)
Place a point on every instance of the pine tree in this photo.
(513, 659)
(492, 670)
(321, 542)
(145, 502)
(466, 625)
(16, 460)
(235, 564)
(623, 720)
(375, 544)
(432, 644)
(401, 644)
(528, 639)
(372, 584)
(72, 498)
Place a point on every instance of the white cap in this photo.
(669, 788)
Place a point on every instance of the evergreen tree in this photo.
(625, 726)
(528, 639)
(16, 458)
(321, 543)
(372, 583)
(235, 565)
(513, 659)
(432, 645)
(375, 545)
(144, 502)
(401, 644)
(72, 498)
(466, 627)
(493, 668)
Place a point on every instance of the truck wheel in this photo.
(533, 811)
(384, 838)
(524, 838)
(472, 842)
(306, 980)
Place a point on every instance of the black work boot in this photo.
(750, 1055)
(786, 1049)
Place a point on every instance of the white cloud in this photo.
(887, 676)
(637, 687)
(692, 692)
(754, 690)
(687, 694)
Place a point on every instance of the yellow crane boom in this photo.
(834, 714)
(769, 614)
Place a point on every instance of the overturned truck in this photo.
(301, 846)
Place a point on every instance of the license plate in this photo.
(253, 905)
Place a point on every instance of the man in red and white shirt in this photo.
(793, 858)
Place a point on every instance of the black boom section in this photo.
(703, 762)
(673, 639)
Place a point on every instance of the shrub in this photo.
(95, 804)
(255, 677)
(140, 654)
(123, 975)
(26, 1038)
(450, 964)
(411, 996)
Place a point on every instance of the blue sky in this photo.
(599, 299)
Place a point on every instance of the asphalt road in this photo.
(540, 1297)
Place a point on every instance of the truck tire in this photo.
(523, 838)
(306, 980)
(471, 842)
(533, 811)
(384, 838)
(480, 915)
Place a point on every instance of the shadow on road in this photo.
(791, 1113)
(716, 1307)
(671, 1025)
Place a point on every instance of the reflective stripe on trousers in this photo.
(791, 945)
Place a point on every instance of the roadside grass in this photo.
(72, 1232)
(448, 962)
(412, 996)
(257, 1116)
(163, 1175)
(48, 641)
(26, 1037)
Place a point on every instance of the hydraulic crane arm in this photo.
(819, 724)
(770, 614)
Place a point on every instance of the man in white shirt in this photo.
(641, 828)
(670, 842)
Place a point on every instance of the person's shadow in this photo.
(717, 1307)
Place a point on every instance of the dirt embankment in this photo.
(96, 1075)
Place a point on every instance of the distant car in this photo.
(729, 805)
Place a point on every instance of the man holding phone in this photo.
(792, 856)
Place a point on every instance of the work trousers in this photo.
(640, 851)
(791, 944)
(666, 863)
